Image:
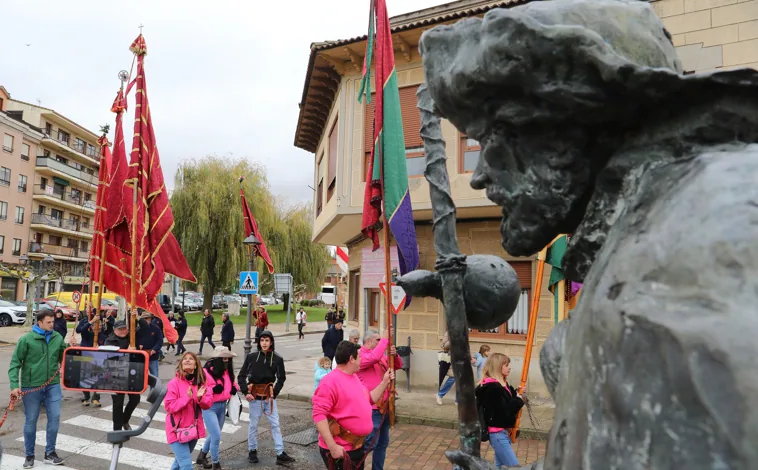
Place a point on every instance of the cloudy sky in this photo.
(224, 77)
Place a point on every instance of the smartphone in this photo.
(105, 369)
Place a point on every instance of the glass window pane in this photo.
(415, 166)
(470, 158)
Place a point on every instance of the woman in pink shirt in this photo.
(219, 378)
(501, 404)
(186, 396)
(342, 409)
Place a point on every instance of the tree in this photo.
(32, 274)
(210, 227)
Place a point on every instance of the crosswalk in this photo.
(84, 436)
(81, 438)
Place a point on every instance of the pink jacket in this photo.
(211, 382)
(180, 406)
(373, 365)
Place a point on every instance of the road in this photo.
(81, 438)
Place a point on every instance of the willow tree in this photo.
(210, 226)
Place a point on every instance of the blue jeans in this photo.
(446, 386)
(379, 448)
(202, 341)
(182, 455)
(257, 408)
(152, 366)
(51, 397)
(214, 422)
(504, 454)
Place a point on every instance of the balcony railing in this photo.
(71, 143)
(53, 164)
(71, 197)
(36, 247)
(75, 226)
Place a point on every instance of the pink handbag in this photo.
(188, 433)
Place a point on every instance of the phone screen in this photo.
(90, 369)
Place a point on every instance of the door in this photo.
(374, 308)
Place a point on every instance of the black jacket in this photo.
(180, 323)
(207, 325)
(87, 333)
(149, 336)
(113, 340)
(331, 339)
(227, 332)
(500, 406)
(60, 325)
(262, 368)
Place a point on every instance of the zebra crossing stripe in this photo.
(229, 428)
(12, 462)
(103, 450)
(103, 425)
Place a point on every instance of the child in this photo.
(479, 359)
(323, 367)
(501, 404)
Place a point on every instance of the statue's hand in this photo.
(421, 283)
(469, 462)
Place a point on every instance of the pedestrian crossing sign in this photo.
(248, 282)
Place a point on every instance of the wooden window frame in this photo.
(526, 285)
(331, 167)
(354, 289)
(320, 197)
(463, 147)
(20, 243)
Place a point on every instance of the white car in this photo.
(11, 314)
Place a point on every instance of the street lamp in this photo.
(253, 245)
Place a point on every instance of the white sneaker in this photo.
(439, 400)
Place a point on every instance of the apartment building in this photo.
(63, 191)
(20, 142)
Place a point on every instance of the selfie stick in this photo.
(117, 438)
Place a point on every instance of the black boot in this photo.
(216, 466)
(202, 459)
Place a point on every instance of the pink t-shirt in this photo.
(343, 397)
(491, 428)
(373, 365)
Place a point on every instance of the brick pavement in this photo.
(423, 448)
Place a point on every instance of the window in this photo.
(516, 327)
(19, 215)
(46, 153)
(63, 136)
(84, 246)
(48, 128)
(8, 143)
(16, 247)
(22, 183)
(91, 150)
(43, 183)
(2, 243)
(355, 292)
(56, 214)
(87, 197)
(80, 145)
(469, 155)
(415, 162)
(25, 152)
(54, 240)
(73, 243)
(3, 210)
(319, 196)
(85, 222)
(331, 176)
(41, 209)
(411, 123)
(76, 196)
(60, 159)
(5, 176)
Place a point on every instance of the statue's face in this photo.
(541, 180)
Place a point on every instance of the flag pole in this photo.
(135, 189)
(530, 332)
(388, 302)
(101, 261)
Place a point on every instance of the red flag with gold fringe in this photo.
(251, 227)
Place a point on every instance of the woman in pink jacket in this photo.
(185, 398)
(219, 378)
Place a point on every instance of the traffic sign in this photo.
(76, 296)
(248, 282)
(398, 296)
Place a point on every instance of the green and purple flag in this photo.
(387, 176)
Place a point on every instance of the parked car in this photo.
(70, 314)
(220, 300)
(11, 314)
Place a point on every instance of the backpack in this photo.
(485, 432)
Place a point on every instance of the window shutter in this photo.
(524, 272)
(411, 119)
(333, 143)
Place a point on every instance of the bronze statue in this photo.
(588, 126)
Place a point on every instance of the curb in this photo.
(452, 423)
(197, 341)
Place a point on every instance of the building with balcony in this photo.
(63, 189)
(338, 130)
(20, 142)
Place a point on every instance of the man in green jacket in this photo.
(38, 357)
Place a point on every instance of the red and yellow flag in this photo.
(251, 227)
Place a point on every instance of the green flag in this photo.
(554, 258)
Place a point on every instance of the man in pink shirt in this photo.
(342, 409)
(374, 364)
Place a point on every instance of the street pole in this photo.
(289, 303)
(248, 324)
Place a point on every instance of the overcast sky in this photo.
(224, 77)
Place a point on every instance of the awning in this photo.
(61, 181)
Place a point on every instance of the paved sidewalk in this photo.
(423, 448)
(11, 334)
